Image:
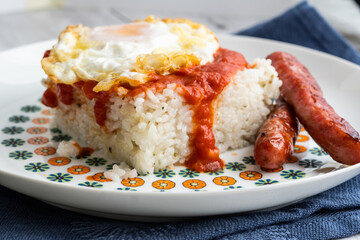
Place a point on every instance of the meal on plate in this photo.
(161, 92)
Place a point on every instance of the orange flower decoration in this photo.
(194, 184)
(41, 120)
(292, 159)
(45, 151)
(163, 184)
(299, 149)
(224, 181)
(36, 130)
(46, 112)
(250, 175)
(78, 169)
(272, 170)
(302, 138)
(59, 161)
(38, 140)
(98, 177)
(133, 182)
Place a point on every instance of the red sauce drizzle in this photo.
(100, 110)
(49, 98)
(65, 93)
(101, 98)
(47, 53)
(83, 151)
(79, 84)
(201, 85)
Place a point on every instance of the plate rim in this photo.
(68, 187)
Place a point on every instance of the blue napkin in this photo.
(331, 214)
(303, 25)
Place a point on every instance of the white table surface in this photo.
(27, 21)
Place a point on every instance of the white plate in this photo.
(163, 196)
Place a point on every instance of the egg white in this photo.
(109, 53)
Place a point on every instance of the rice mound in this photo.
(152, 130)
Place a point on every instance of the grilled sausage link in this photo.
(276, 138)
(301, 91)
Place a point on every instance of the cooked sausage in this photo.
(301, 91)
(276, 138)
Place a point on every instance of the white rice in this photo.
(67, 149)
(244, 104)
(151, 131)
(121, 171)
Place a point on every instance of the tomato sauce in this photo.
(47, 53)
(65, 93)
(199, 85)
(83, 151)
(49, 98)
(101, 98)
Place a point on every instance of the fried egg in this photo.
(128, 53)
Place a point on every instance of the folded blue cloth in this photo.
(303, 25)
(331, 214)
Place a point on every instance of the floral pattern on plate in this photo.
(30, 144)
